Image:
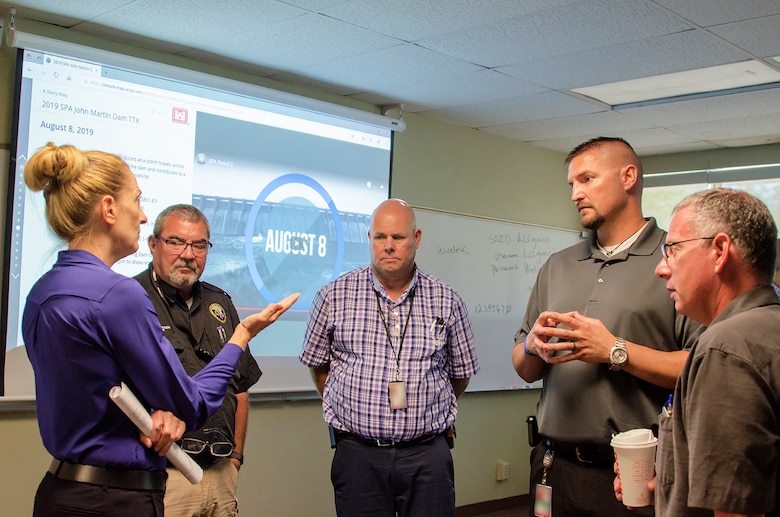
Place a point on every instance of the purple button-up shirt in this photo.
(88, 328)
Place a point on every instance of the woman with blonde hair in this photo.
(87, 328)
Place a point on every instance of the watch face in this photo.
(619, 356)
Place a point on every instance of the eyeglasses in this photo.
(217, 448)
(668, 249)
(178, 245)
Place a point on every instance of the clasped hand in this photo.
(581, 338)
(166, 429)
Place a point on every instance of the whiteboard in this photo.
(493, 266)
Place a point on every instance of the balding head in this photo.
(394, 238)
(395, 206)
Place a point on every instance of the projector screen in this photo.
(287, 183)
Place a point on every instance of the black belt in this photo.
(108, 477)
(376, 442)
(585, 454)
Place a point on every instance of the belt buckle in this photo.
(579, 456)
(384, 443)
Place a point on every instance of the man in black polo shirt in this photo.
(198, 318)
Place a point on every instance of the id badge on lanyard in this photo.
(543, 493)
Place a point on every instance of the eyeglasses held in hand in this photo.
(178, 245)
(217, 448)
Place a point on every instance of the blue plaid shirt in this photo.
(346, 330)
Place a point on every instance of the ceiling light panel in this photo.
(703, 80)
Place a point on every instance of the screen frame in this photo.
(26, 42)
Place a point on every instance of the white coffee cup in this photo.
(635, 456)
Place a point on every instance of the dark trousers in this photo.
(63, 498)
(412, 481)
(580, 490)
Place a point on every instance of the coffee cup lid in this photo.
(634, 437)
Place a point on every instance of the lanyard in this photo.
(403, 333)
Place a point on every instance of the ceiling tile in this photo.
(318, 40)
(585, 25)
(130, 38)
(412, 20)
(653, 56)
(686, 147)
(720, 108)
(773, 138)
(324, 86)
(758, 126)
(458, 89)
(717, 12)
(226, 62)
(396, 66)
(759, 37)
(64, 14)
(645, 140)
(642, 139)
(607, 122)
(506, 111)
(561, 145)
(205, 22)
(315, 5)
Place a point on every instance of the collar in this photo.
(757, 297)
(646, 244)
(379, 288)
(79, 256)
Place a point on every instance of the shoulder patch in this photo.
(218, 312)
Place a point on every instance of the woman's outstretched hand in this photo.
(256, 322)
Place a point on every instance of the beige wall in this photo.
(737, 157)
(287, 461)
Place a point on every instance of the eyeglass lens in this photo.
(195, 446)
(178, 245)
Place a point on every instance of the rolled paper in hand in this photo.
(129, 404)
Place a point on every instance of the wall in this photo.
(287, 463)
(701, 160)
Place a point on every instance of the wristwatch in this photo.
(618, 355)
(237, 456)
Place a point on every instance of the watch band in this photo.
(618, 355)
(237, 456)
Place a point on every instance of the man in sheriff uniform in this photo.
(198, 318)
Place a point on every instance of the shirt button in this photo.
(601, 280)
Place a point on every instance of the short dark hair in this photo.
(595, 143)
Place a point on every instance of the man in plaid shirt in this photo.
(390, 348)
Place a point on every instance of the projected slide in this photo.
(281, 221)
(288, 191)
